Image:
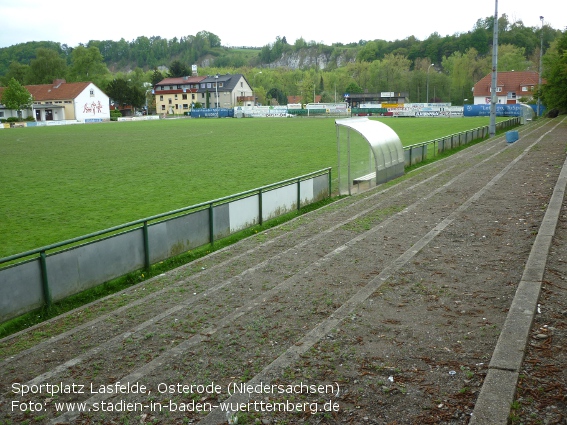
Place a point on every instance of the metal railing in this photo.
(419, 152)
(145, 241)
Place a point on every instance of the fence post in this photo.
(260, 212)
(211, 225)
(329, 182)
(298, 194)
(44, 280)
(146, 246)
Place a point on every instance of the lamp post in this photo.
(540, 69)
(217, 91)
(427, 91)
(493, 96)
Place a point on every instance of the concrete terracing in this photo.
(413, 302)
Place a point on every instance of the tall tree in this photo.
(119, 91)
(87, 64)
(178, 69)
(16, 97)
(353, 88)
(157, 76)
(512, 58)
(18, 71)
(46, 67)
(555, 72)
(278, 95)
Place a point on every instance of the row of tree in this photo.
(143, 52)
(445, 68)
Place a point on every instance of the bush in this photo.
(12, 119)
(115, 114)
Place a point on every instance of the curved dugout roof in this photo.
(385, 144)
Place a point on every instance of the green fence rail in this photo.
(419, 152)
(43, 254)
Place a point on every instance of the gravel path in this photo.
(381, 308)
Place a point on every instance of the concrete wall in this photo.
(82, 267)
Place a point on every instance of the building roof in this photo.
(510, 81)
(179, 81)
(299, 99)
(229, 81)
(59, 90)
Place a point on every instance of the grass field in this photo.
(66, 181)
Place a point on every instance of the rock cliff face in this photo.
(307, 58)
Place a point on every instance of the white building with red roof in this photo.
(511, 86)
(62, 101)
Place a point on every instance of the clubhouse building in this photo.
(62, 101)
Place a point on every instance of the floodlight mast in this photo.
(493, 96)
(540, 70)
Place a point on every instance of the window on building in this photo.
(184, 96)
(209, 86)
(92, 93)
(524, 88)
(185, 106)
(175, 97)
(170, 101)
(161, 98)
(163, 107)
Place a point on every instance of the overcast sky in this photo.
(257, 23)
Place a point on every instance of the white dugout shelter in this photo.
(367, 151)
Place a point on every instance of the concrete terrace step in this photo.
(379, 296)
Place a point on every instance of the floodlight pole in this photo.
(540, 70)
(217, 93)
(493, 96)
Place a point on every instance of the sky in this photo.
(255, 23)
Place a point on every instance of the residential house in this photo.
(62, 101)
(225, 91)
(176, 95)
(299, 99)
(511, 86)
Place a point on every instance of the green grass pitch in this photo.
(61, 182)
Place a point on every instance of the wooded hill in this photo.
(302, 68)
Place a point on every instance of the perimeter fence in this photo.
(44, 275)
(420, 152)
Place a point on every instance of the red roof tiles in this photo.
(510, 81)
